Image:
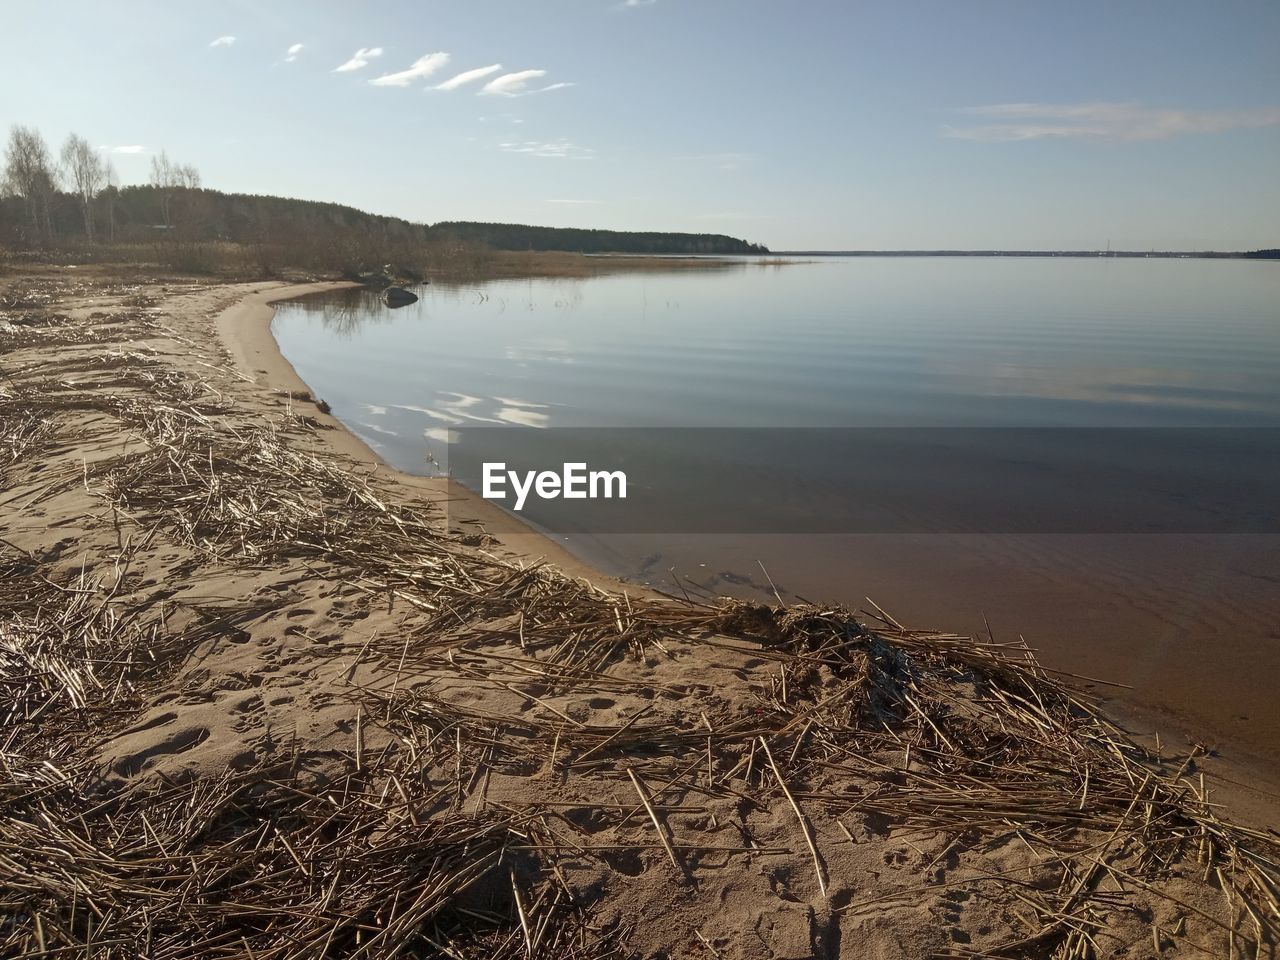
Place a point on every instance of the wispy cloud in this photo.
(639, 3)
(559, 149)
(223, 42)
(1006, 122)
(468, 76)
(568, 200)
(513, 84)
(292, 53)
(123, 148)
(359, 59)
(422, 67)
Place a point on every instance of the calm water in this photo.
(840, 396)
(853, 342)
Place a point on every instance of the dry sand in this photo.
(258, 703)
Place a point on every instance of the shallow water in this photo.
(886, 343)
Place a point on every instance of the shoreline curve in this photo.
(244, 330)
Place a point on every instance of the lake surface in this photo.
(857, 396)
(838, 342)
(1120, 349)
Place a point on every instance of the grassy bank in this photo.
(449, 264)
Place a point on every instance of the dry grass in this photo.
(449, 263)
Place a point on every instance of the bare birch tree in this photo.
(85, 168)
(30, 174)
(109, 192)
(168, 178)
(164, 178)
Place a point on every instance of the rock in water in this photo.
(398, 297)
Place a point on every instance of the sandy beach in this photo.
(259, 702)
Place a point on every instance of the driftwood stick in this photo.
(804, 823)
(657, 823)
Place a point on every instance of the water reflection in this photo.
(343, 313)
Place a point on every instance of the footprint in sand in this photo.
(895, 858)
(587, 820)
(180, 741)
(249, 711)
(246, 704)
(627, 862)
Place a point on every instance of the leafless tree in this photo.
(30, 174)
(164, 179)
(109, 194)
(183, 210)
(168, 178)
(87, 173)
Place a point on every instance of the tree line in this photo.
(516, 236)
(79, 193)
(73, 198)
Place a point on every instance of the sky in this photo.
(966, 124)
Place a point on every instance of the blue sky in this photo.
(801, 125)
